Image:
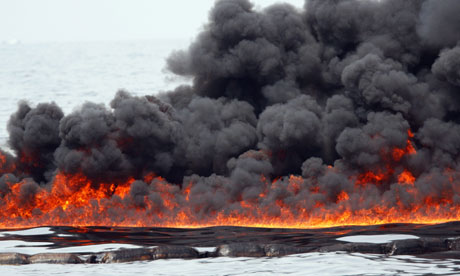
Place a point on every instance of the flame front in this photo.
(75, 200)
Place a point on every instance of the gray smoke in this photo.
(34, 138)
(447, 67)
(439, 23)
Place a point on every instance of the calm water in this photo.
(302, 264)
(72, 73)
(305, 264)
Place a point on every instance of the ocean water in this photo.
(304, 264)
(338, 263)
(72, 73)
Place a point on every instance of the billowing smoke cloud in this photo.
(447, 67)
(330, 99)
(439, 23)
(34, 136)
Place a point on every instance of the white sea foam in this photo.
(23, 247)
(29, 232)
(205, 249)
(92, 248)
(377, 238)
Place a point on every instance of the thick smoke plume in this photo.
(335, 108)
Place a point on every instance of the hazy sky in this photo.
(83, 20)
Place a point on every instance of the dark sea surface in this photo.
(89, 240)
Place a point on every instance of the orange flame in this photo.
(4, 166)
(406, 177)
(288, 202)
(343, 196)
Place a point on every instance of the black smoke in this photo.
(336, 84)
